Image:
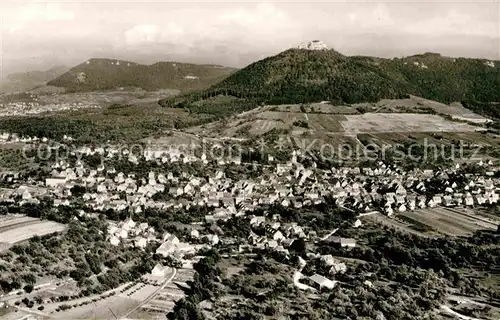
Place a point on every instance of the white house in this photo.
(159, 270)
(114, 241)
(168, 237)
(166, 249)
(431, 203)
(469, 200)
(123, 234)
(195, 234)
(256, 221)
(141, 243)
(320, 282)
(278, 236)
(212, 239)
(343, 242)
(55, 181)
(357, 223)
(328, 260)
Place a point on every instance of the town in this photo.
(23, 108)
(249, 161)
(176, 206)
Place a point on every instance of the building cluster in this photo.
(6, 137)
(138, 234)
(30, 108)
(387, 189)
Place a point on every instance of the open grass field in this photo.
(397, 224)
(452, 221)
(13, 231)
(109, 308)
(10, 220)
(416, 104)
(143, 291)
(261, 126)
(384, 127)
(331, 131)
(325, 142)
(282, 116)
(322, 108)
(15, 314)
(401, 122)
(51, 307)
(325, 122)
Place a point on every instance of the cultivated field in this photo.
(284, 116)
(452, 221)
(325, 122)
(401, 122)
(109, 308)
(384, 123)
(23, 228)
(315, 121)
(261, 126)
(260, 120)
(165, 300)
(396, 224)
(12, 220)
(139, 292)
(416, 104)
(315, 108)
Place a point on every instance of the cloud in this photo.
(38, 12)
(382, 15)
(454, 23)
(141, 33)
(256, 25)
(44, 11)
(144, 34)
(229, 31)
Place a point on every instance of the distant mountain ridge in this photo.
(104, 74)
(302, 75)
(25, 81)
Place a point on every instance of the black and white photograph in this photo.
(250, 160)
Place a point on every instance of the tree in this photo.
(299, 246)
(93, 262)
(185, 309)
(28, 288)
(78, 191)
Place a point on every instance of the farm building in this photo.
(55, 181)
(319, 282)
(343, 242)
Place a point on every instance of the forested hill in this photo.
(300, 75)
(103, 74)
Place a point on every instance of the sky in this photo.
(40, 35)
